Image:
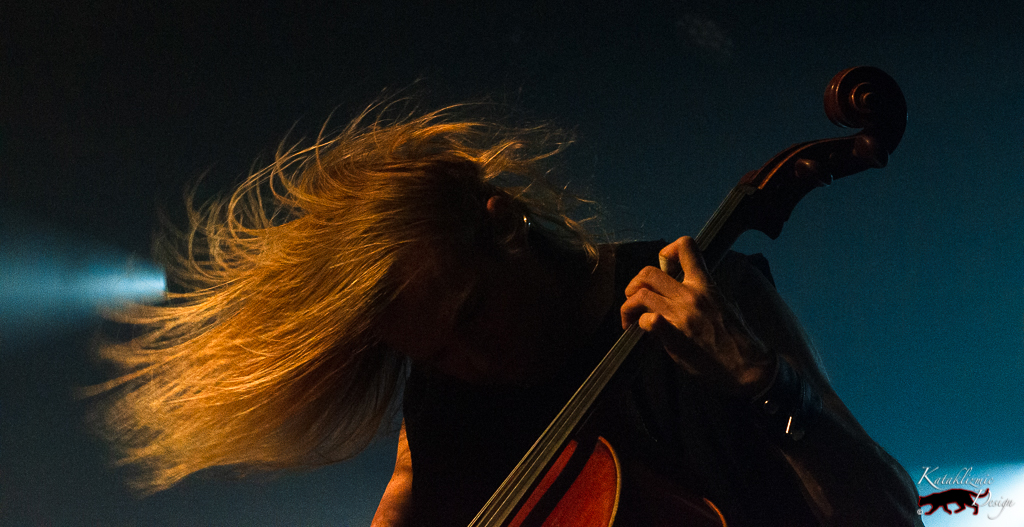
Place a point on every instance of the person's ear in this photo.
(510, 225)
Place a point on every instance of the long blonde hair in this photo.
(269, 359)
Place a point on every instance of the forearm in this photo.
(847, 477)
(393, 510)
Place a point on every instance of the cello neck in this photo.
(517, 485)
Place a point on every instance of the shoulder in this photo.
(737, 265)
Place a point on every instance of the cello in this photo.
(568, 480)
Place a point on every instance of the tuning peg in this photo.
(868, 149)
(811, 169)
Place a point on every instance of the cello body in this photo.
(589, 486)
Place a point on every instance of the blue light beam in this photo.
(52, 283)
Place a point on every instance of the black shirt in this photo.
(465, 439)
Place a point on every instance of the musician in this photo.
(434, 247)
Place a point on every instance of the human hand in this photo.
(700, 330)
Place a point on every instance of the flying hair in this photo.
(265, 356)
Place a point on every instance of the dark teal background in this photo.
(908, 279)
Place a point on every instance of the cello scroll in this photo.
(861, 97)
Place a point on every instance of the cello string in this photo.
(512, 491)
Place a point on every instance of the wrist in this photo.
(787, 406)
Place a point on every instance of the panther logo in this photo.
(962, 497)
